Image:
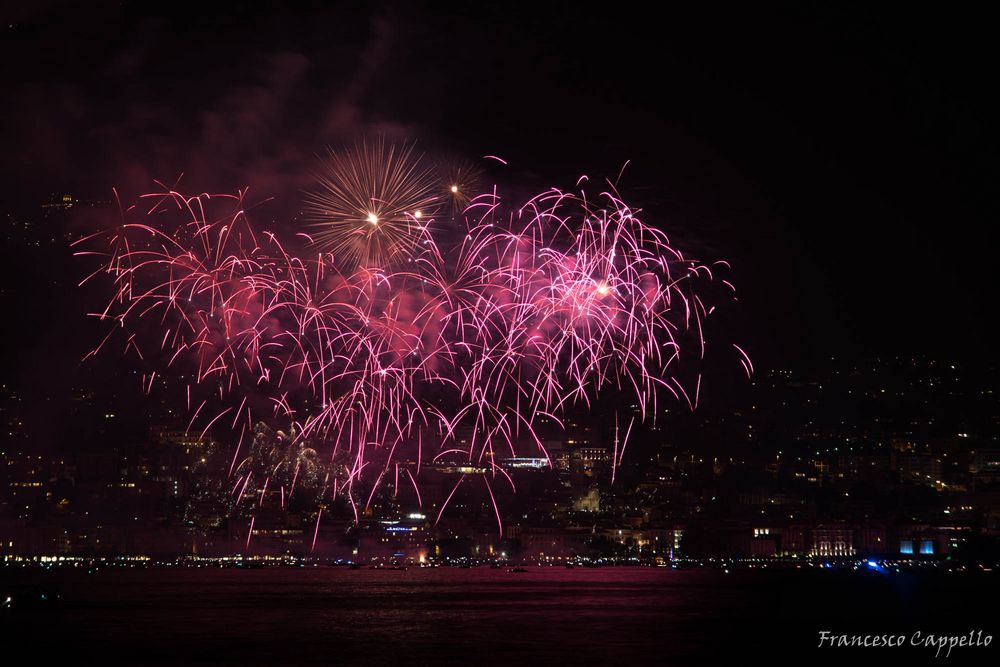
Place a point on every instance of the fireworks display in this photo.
(459, 181)
(388, 334)
(372, 203)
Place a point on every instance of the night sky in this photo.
(842, 160)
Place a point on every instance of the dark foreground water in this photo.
(615, 616)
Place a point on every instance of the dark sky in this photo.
(843, 159)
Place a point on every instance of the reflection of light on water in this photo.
(469, 609)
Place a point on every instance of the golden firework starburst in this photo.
(371, 203)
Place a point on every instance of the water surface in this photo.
(332, 615)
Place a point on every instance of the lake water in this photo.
(617, 616)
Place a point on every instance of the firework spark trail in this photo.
(535, 310)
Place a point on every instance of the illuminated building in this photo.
(832, 541)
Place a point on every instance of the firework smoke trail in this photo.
(532, 311)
